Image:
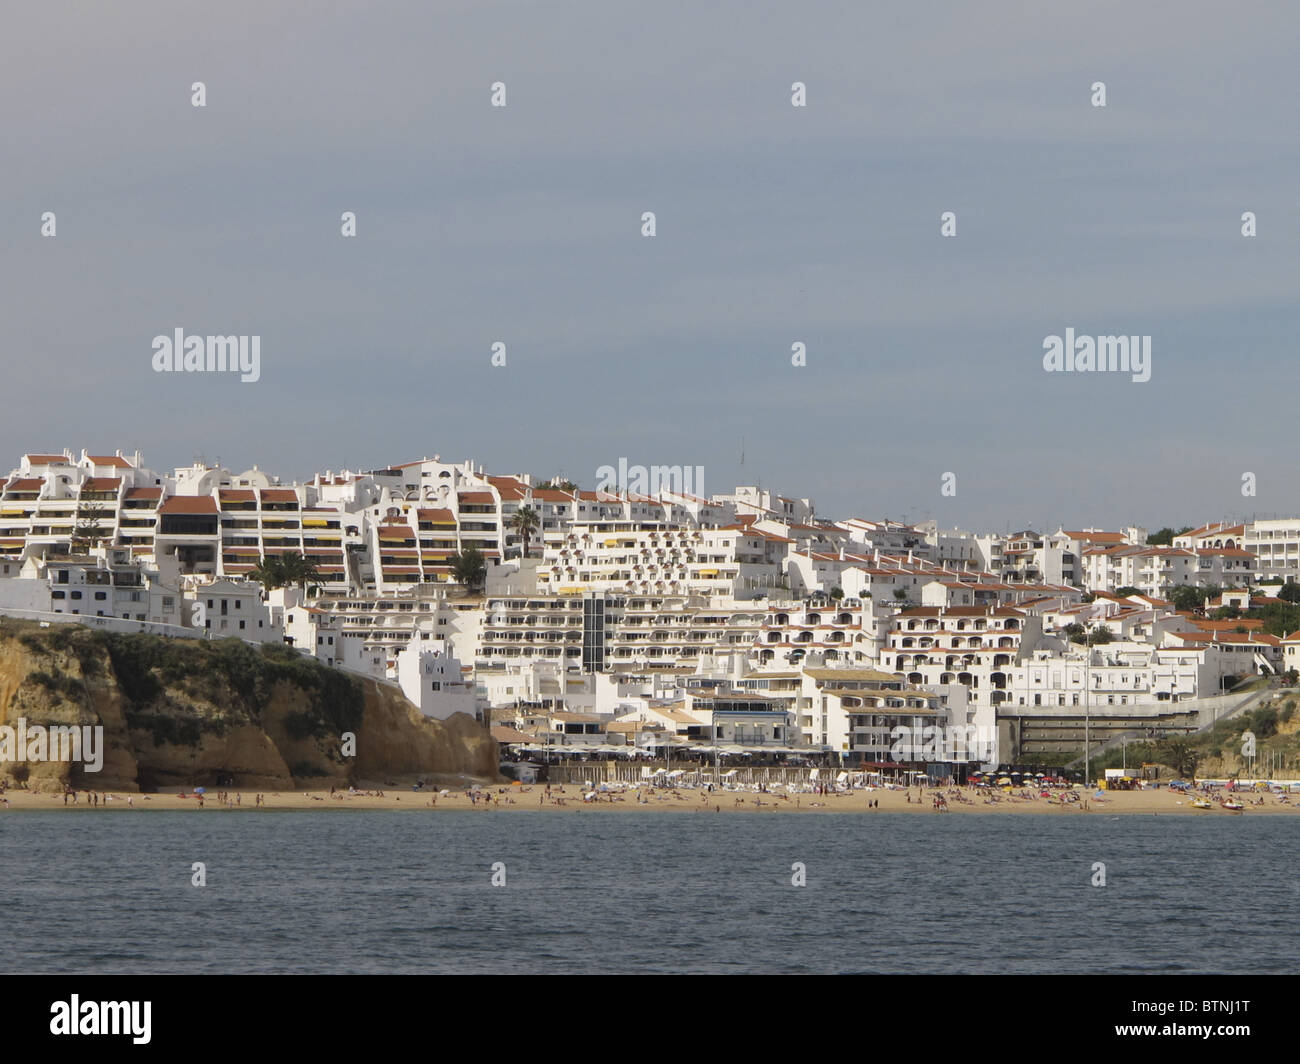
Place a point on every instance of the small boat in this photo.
(1202, 803)
(1231, 806)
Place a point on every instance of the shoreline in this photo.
(536, 797)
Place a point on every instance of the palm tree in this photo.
(525, 521)
(299, 570)
(269, 572)
(469, 569)
(282, 570)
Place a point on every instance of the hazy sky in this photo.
(775, 224)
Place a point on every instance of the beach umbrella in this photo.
(200, 790)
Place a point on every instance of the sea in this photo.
(479, 891)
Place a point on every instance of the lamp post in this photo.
(717, 764)
(1087, 709)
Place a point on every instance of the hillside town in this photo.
(622, 624)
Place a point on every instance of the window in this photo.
(76, 595)
(100, 596)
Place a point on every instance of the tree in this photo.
(1186, 598)
(299, 570)
(1101, 635)
(1165, 537)
(837, 593)
(1290, 592)
(1125, 592)
(469, 569)
(289, 569)
(1179, 755)
(525, 521)
(900, 593)
(89, 529)
(269, 572)
(1280, 618)
(557, 484)
(1074, 631)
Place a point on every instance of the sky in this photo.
(774, 225)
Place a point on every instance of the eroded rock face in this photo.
(192, 713)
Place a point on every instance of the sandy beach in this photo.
(498, 798)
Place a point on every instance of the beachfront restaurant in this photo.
(752, 722)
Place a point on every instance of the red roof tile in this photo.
(189, 504)
(101, 484)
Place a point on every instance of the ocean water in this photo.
(410, 892)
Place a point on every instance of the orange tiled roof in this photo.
(189, 504)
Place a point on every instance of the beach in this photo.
(502, 798)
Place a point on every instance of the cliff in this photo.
(179, 712)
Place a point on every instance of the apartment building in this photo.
(733, 562)
(598, 632)
(1276, 546)
(1158, 570)
(834, 631)
(969, 645)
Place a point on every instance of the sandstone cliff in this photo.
(179, 712)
